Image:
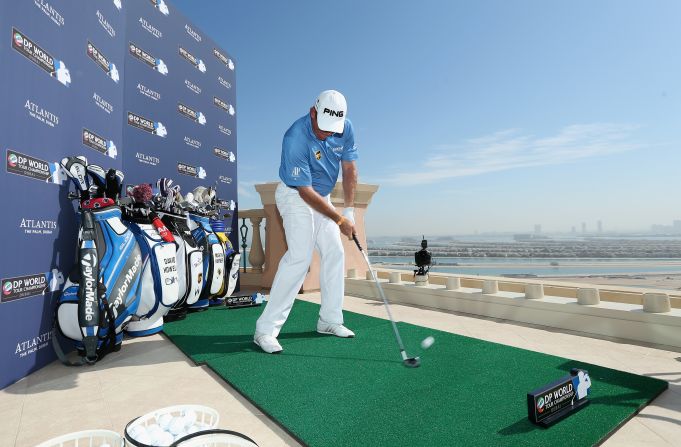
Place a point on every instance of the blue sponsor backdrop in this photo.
(71, 85)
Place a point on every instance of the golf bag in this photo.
(159, 282)
(232, 259)
(189, 265)
(213, 260)
(101, 294)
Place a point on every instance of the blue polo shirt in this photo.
(308, 161)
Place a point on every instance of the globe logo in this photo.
(12, 160)
(18, 40)
(7, 288)
(540, 405)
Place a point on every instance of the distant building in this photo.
(583, 227)
(537, 229)
(677, 226)
(574, 230)
(600, 227)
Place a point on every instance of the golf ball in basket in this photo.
(427, 342)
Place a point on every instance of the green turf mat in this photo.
(328, 391)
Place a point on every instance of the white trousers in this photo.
(306, 229)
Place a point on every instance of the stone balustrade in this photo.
(638, 314)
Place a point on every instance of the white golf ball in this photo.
(164, 439)
(106, 444)
(176, 426)
(189, 417)
(143, 438)
(193, 429)
(427, 342)
(164, 421)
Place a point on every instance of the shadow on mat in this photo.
(518, 428)
(195, 345)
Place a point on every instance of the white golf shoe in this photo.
(334, 329)
(267, 343)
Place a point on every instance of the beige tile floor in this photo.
(151, 373)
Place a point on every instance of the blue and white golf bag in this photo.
(213, 260)
(159, 282)
(101, 294)
(189, 265)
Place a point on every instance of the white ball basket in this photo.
(216, 438)
(207, 417)
(86, 438)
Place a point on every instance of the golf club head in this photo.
(412, 362)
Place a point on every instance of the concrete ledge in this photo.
(611, 319)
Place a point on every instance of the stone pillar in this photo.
(453, 283)
(589, 297)
(656, 303)
(257, 256)
(352, 273)
(275, 241)
(369, 276)
(395, 278)
(534, 291)
(490, 287)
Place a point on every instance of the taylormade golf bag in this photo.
(232, 259)
(213, 260)
(159, 283)
(101, 294)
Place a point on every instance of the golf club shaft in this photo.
(385, 300)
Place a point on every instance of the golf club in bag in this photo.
(410, 362)
(159, 283)
(101, 293)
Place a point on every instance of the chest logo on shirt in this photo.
(318, 155)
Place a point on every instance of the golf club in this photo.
(410, 362)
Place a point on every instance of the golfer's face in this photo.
(321, 134)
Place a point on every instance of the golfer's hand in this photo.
(347, 228)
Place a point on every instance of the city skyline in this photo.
(472, 116)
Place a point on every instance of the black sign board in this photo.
(242, 300)
(551, 403)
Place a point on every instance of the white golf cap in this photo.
(331, 110)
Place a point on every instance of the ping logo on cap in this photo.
(333, 112)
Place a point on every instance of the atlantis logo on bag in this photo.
(224, 83)
(156, 64)
(191, 114)
(223, 105)
(193, 87)
(38, 226)
(196, 36)
(225, 155)
(147, 159)
(35, 168)
(50, 12)
(33, 345)
(195, 61)
(191, 171)
(149, 93)
(98, 143)
(196, 144)
(44, 116)
(224, 59)
(103, 63)
(224, 129)
(31, 285)
(150, 28)
(224, 179)
(161, 6)
(106, 25)
(33, 52)
(155, 127)
(102, 103)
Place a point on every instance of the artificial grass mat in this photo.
(327, 391)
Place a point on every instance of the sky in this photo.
(472, 116)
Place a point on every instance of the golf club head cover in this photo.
(98, 176)
(76, 169)
(114, 183)
(118, 261)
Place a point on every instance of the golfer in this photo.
(313, 151)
